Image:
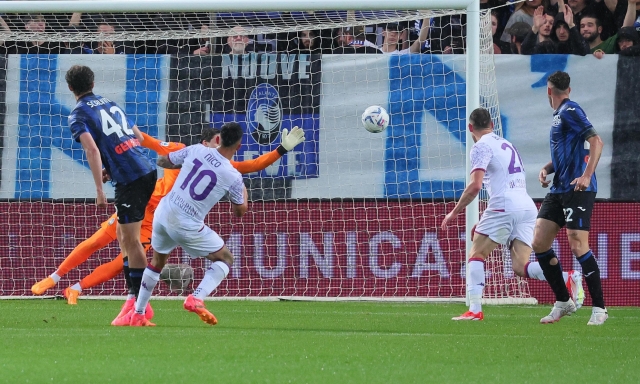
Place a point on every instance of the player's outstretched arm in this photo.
(470, 193)
(289, 141)
(164, 162)
(158, 146)
(95, 164)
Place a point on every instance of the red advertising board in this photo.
(326, 249)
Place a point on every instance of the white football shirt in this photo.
(504, 176)
(205, 177)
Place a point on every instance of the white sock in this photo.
(131, 296)
(56, 278)
(475, 284)
(149, 280)
(212, 278)
(535, 272)
(77, 287)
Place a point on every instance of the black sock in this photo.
(553, 274)
(135, 274)
(127, 278)
(591, 273)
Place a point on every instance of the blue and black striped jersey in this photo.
(569, 147)
(121, 153)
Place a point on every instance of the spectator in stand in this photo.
(238, 43)
(395, 36)
(194, 46)
(524, 13)
(306, 42)
(446, 34)
(632, 17)
(566, 33)
(518, 33)
(628, 41)
(346, 42)
(104, 26)
(540, 32)
(591, 29)
(608, 11)
(501, 13)
(499, 46)
(35, 23)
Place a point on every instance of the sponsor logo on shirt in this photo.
(126, 145)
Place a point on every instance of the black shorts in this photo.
(132, 199)
(572, 209)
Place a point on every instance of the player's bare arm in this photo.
(240, 209)
(164, 162)
(595, 150)
(544, 172)
(137, 133)
(470, 193)
(95, 164)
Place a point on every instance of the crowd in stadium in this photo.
(578, 27)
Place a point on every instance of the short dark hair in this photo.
(592, 16)
(208, 133)
(480, 118)
(80, 78)
(559, 80)
(230, 134)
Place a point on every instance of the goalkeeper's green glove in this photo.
(290, 139)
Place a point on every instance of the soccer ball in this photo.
(177, 276)
(375, 119)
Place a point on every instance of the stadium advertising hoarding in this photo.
(321, 249)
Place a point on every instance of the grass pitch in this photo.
(306, 342)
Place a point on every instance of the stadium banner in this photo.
(263, 92)
(319, 249)
(421, 154)
(40, 158)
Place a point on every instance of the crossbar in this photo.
(67, 6)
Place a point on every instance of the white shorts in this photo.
(504, 227)
(197, 243)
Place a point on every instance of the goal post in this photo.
(334, 230)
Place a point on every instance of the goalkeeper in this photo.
(107, 232)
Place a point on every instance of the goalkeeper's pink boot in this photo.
(196, 306)
(470, 316)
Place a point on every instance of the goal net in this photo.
(346, 215)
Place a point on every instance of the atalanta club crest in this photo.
(264, 114)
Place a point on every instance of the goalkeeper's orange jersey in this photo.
(165, 183)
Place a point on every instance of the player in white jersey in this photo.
(509, 218)
(206, 175)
